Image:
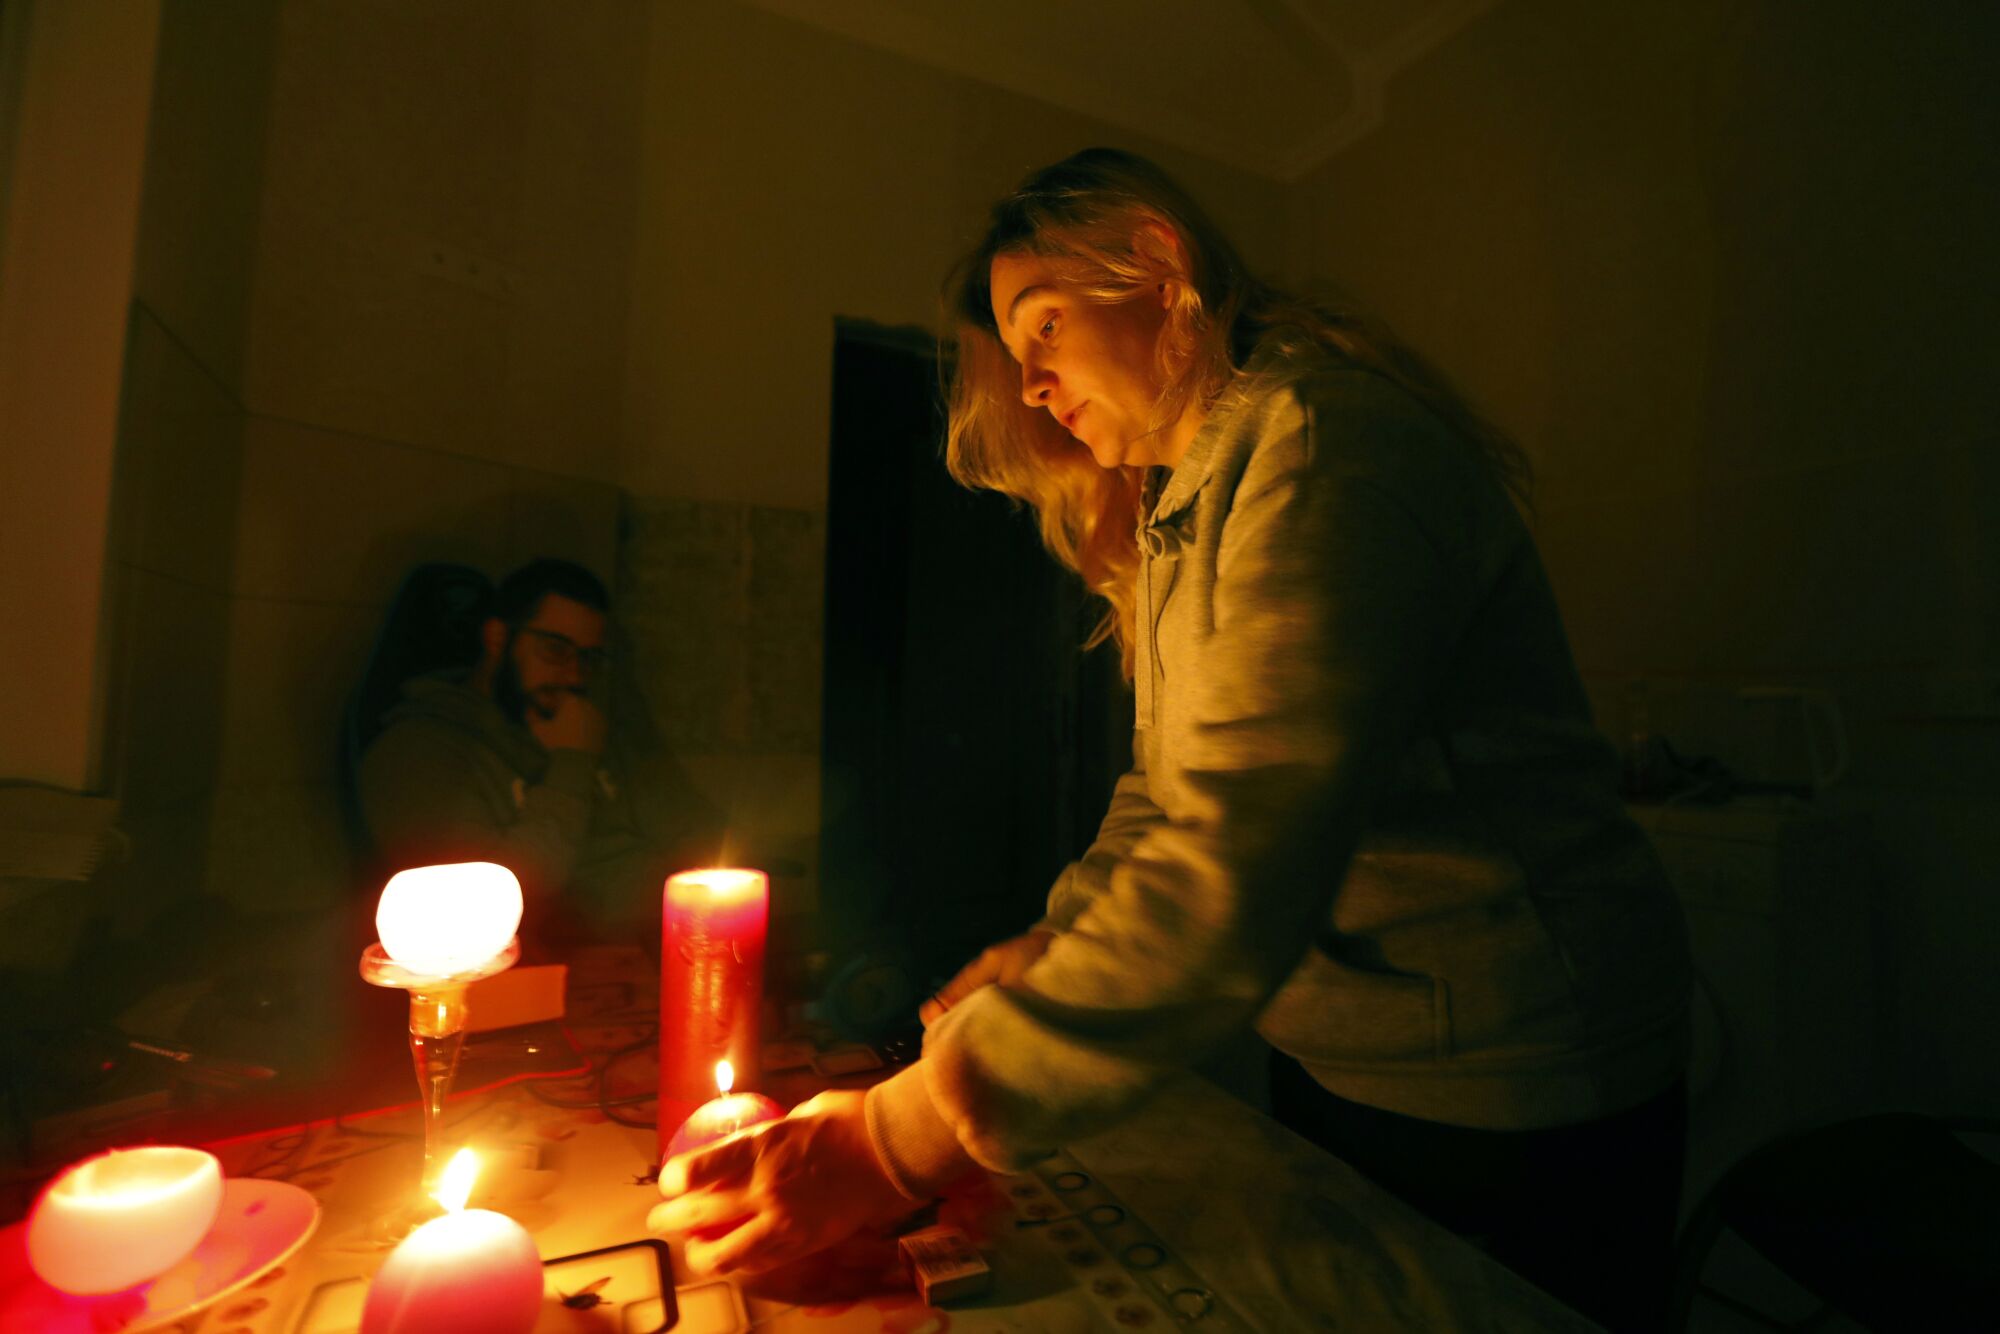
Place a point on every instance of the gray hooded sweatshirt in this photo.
(1368, 814)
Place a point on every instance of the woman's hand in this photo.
(779, 1193)
(1000, 964)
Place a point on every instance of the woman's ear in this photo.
(1161, 246)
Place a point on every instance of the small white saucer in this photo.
(259, 1226)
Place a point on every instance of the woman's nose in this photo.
(1037, 383)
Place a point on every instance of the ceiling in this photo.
(1274, 87)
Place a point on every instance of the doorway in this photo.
(969, 745)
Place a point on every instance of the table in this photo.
(1197, 1214)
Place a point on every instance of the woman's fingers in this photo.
(750, 1249)
(972, 977)
(698, 1211)
(982, 971)
(813, 1106)
(1003, 963)
(794, 1187)
(724, 1163)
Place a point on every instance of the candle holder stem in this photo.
(437, 1036)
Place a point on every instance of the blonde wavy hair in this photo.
(1102, 219)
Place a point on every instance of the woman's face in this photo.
(1093, 366)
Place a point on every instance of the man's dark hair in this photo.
(520, 594)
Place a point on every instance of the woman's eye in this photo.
(1048, 326)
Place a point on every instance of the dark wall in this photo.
(969, 743)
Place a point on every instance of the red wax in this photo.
(711, 984)
(722, 1117)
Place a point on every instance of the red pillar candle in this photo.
(711, 984)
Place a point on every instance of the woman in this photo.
(1367, 810)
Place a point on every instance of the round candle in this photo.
(712, 926)
(440, 920)
(123, 1217)
(470, 1272)
(722, 1116)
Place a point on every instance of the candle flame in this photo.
(455, 1185)
(725, 1076)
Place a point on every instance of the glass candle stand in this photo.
(437, 1033)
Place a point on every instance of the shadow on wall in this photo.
(718, 604)
(312, 587)
(723, 605)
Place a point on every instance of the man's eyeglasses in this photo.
(558, 650)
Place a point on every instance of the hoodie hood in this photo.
(447, 698)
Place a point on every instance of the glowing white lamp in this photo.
(443, 928)
(438, 921)
(123, 1217)
(470, 1272)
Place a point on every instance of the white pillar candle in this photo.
(121, 1218)
(470, 1272)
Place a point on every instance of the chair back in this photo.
(433, 624)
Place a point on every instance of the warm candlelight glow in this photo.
(126, 1216)
(719, 1119)
(441, 920)
(455, 1183)
(723, 886)
(725, 1076)
(472, 1271)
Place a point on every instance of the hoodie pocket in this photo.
(1330, 1012)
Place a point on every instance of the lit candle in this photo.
(711, 983)
(123, 1217)
(724, 1115)
(470, 1272)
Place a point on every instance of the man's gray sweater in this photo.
(450, 778)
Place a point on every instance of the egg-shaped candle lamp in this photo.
(437, 921)
(116, 1220)
(471, 1271)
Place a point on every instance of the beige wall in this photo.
(431, 372)
(442, 283)
(446, 280)
(378, 319)
(791, 177)
(72, 152)
(180, 445)
(1714, 264)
